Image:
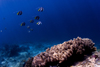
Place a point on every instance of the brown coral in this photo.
(62, 53)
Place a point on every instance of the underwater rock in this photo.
(97, 61)
(63, 54)
(90, 61)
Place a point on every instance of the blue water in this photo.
(61, 21)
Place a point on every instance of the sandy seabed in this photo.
(24, 52)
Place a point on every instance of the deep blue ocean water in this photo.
(61, 21)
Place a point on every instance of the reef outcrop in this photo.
(63, 54)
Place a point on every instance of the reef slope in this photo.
(63, 55)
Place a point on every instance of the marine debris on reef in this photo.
(63, 55)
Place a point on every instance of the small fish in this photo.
(19, 13)
(23, 24)
(39, 23)
(31, 21)
(41, 9)
(1, 31)
(28, 27)
(37, 18)
(31, 29)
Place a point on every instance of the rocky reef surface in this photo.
(65, 54)
(90, 61)
(79, 52)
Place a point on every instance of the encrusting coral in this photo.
(62, 54)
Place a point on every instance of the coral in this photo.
(63, 54)
(90, 61)
(28, 63)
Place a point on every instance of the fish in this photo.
(1, 31)
(19, 13)
(37, 18)
(23, 24)
(39, 23)
(31, 21)
(28, 27)
(41, 9)
(31, 29)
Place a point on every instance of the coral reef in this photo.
(64, 54)
(90, 61)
